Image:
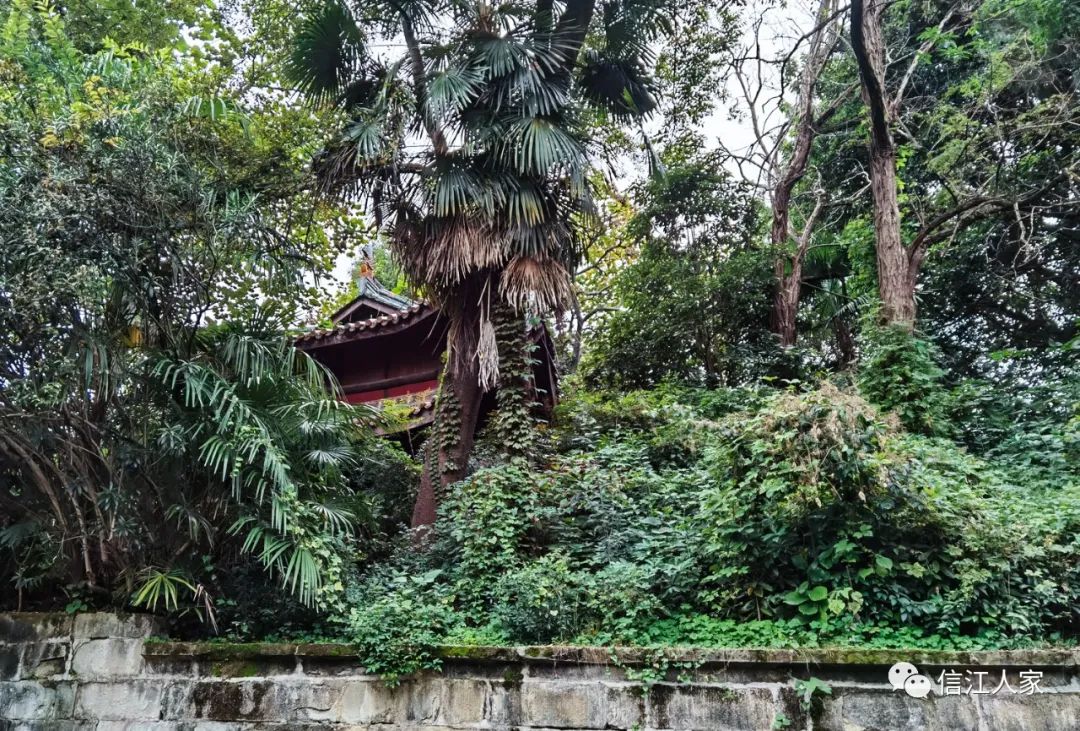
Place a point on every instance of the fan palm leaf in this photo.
(327, 54)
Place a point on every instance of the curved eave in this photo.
(373, 327)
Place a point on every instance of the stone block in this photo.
(556, 704)
(249, 667)
(9, 662)
(107, 658)
(103, 625)
(33, 627)
(44, 659)
(123, 700)
(1043, 711)
(464, 701)
(165, 665)
(710, 708)
(504, 705)
(955, 712)
(239, 700)
(433, 699)
(850, 709)
(48, 726)
(368, 701)
(176, 700)
(316, 701)
(334, 667)
(625, 705)
(36, 701)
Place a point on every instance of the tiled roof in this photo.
(373, 323)
(419, 402)
(420, 413)
(371, 288)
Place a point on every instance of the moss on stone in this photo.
(472, 652)
(237, 669)
(544, 652)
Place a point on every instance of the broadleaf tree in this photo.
(154, 417)
(980, 100)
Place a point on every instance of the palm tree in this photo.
(472, 151)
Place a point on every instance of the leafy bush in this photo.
(826, 511)
(397, 620)
(156, 423)
(900, 374)
(775, 518)
(541, 600)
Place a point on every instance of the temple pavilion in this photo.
(387, 347)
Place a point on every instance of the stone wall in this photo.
(100, 672)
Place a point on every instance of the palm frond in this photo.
(630, 26)
(302, 574)
(459, 190)
(162, 587)
(366, 135)
(617, 85)
(451, 90)
(327, 53)
(538, 145)
(338, 456)
(338, 520)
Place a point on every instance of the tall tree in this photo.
(805, 123)
(783, 130)
(472, 150)
(979, 96)
(694, 301)
(895, 263)
(151, 407)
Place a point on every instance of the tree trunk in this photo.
(845, 343)
(786, 300)
(896, 271)
(458, 410)
(786, 297)
(896, 280)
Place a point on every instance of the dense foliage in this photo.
(693, 304)
(789, 518)
(154, 419)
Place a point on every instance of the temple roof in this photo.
(387, 350)
(418, 410)
(414, 311)
(372, 295)
(372, 299)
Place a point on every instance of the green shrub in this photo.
(900, 374)
(541, 601)
(485, 521)
(825, 511)
(397, 621)
(771, 519)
